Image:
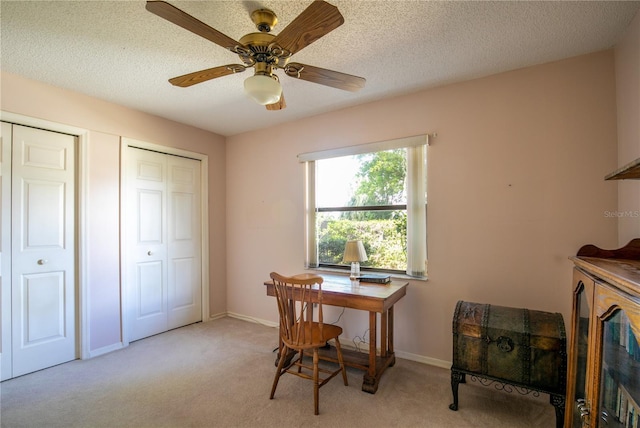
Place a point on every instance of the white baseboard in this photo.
(349, 343)
(425, 360)
(252, 319)
(217, 316)
(105, 350)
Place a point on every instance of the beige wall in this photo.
(106, 123)
(515, 187)
(627, 60)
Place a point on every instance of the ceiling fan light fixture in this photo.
(263, 89)
(265, 52)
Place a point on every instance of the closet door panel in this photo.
(185, 240)
(5, 251)
(43, 249)
(146, 246)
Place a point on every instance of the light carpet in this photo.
(219, 374)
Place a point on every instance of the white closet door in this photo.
(5, 252)
(163, 249)
(43, 249)
(185, 242)
(147, 246)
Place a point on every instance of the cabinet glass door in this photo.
(582, 335)
(620, 378)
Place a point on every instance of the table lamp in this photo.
(354, 252)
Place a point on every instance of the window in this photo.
(375, 193)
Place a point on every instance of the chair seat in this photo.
(329, 331)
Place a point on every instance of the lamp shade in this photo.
(354, 252)
(263, 89)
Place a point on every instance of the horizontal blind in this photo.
(399, 143)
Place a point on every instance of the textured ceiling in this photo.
(120, 52)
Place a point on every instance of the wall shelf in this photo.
(629, 171)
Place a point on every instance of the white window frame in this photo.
(416, 197)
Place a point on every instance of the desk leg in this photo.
(370, 382)
(384, 343)
(390, 338)
(387, 356)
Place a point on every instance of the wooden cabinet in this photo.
(603, 387)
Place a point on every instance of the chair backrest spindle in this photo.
(296, 298)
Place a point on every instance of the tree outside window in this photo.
(363, 197)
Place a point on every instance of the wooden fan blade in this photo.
(326, 77)
(277, 106)
(188, 22)
(204, 75)
(315, 21)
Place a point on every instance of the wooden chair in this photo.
(296, 297)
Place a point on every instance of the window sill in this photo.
(393, 275)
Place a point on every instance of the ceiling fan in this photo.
(265, 52)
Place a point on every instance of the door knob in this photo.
(42, 261)
(149, 253)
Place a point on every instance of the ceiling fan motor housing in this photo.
(264, 19)
(260, 49)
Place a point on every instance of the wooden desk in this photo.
(374, 298)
